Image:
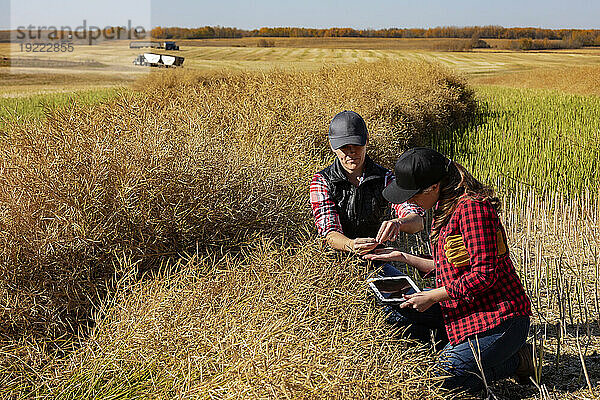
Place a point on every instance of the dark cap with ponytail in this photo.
(416, 170)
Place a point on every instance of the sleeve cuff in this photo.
(455, 294)
(452, 292)
(428, 274)
(326, 232)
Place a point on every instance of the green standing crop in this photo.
(546, 140)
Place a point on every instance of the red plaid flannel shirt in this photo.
(486, 291)
(326, 216)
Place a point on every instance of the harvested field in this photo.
(305, 54)
(535, 139)
(584, 80)
(539, 149)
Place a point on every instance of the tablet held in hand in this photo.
(392, 289)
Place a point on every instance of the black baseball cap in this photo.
(415, 170)
(346, 128)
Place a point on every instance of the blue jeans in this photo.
(498, 349)
(417, 325)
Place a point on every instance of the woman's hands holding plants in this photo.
(387, 254)
(362, 245)
(388, 231)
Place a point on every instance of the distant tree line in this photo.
(577, 37)
(206, 32)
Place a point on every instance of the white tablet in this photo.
(392, 289)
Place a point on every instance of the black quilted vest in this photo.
(361, 209)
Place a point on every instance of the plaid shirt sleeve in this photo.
(323, 208)
(403, 209)
(478, 225)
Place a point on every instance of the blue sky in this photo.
(308, 13)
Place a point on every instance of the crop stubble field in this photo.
(218, 325)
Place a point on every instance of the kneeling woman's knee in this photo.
(457, 374)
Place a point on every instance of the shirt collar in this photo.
(367, 175)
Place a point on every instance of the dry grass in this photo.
(403, 103)
(287, 322)
(578, 80)
(284, 323)
(191, 162)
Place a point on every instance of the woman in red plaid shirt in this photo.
(485, 308)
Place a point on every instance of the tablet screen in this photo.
(393, 289)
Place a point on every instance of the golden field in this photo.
(201, 167)
(156, 240)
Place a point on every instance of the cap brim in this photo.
(394, 194)
(337, 143)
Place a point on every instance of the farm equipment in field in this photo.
(168, 45)
(158, 60)
(140, 44)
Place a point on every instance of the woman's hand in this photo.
(421, 301)
(387, 254)
(363, 245)
(388, 231)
